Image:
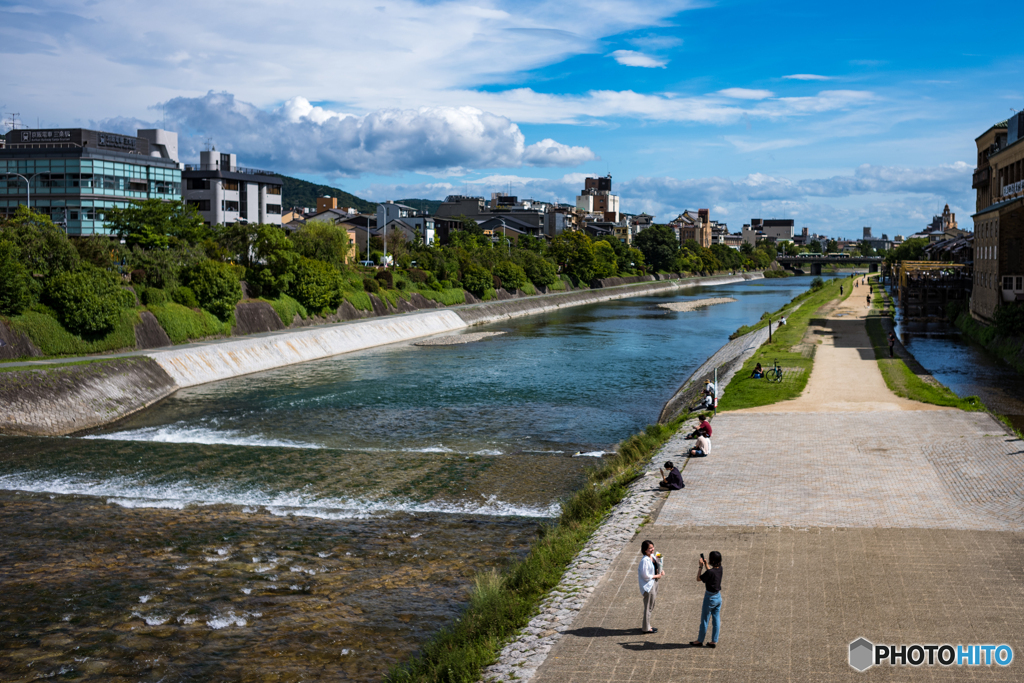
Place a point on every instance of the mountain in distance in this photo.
(303, 193)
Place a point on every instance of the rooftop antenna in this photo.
(209, 144)
(13, 121)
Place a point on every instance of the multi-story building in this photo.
(696, 226)
(999, 220)
(225, 193)
(597, 197)
(74, 174)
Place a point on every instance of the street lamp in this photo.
(28, 185)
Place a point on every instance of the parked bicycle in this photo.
(775, 373)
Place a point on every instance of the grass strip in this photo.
(52, 339)
(503, 603)
(745, 392)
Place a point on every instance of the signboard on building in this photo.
(1013, 188)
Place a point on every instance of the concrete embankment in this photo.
(54, 401)
(85, 399)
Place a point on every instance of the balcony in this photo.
(981, 177)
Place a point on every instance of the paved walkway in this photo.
(845, 513)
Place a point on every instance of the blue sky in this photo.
(838, 116)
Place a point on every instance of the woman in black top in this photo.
(711, 577)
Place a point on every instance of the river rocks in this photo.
(520, 659)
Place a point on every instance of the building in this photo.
(597, 197)
(74, 174)
(999, 221)
(696, 226)
(225, 193)
(777, 229)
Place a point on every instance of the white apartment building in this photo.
(226, 193)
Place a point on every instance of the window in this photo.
(162, 187)
(200, 204)
(197, 184)
(1008, 283)
(273, 189)
(226, 205)
(1020, 283)
(137, 185)
(231, 185)
(274, 209)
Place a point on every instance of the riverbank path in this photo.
(845, 513)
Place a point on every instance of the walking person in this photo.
(711, 577)
(648, 583)
(892, 343)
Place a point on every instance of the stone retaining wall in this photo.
(61, 400)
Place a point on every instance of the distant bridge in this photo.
(819, 260)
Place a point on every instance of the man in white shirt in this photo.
(648, 583)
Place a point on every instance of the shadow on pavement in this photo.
(598, 632)
(658, 646)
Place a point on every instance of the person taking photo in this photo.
(711, 577)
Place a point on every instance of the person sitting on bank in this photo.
(703, 427)
(758, 372)
(673, 481)
(702, 448)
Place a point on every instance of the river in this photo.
(322, 520)
(964, 366)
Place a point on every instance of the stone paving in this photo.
(929, 469)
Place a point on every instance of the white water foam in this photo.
(182, 433)
(129, 493)
(589, 454)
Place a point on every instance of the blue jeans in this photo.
(712, 609)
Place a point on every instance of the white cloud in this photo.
(745, 94)
(634, 58)
(807, 77)
(300, 138)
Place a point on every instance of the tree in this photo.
(88, 300)
(316, 285)
(635, 260)
(814, 247)
(163, 267)
(476, 279)
(15, 283)
(538, 269)
(512, 276)
(910, 250)
(575, 253)
(238, 240)
(216, 287)
(659, 246)
(272, 268)
(154, 223)
(324, 241)
(832, 247)
(605, 262)
(43, 248)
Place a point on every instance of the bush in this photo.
(360, 300)
(817, 283)
(53, 340)
(184, 324)
(445, 284)
(15, 283)
(512, 276)
(216, 287)
(371, 285)
(436, 286)
(185, 297)
(401, 284)
(538, 269)
(419, 276)
(386, 279)
(155, 296)
(88, 301)
(477, 280)
(316, 285)
(322, 241)
(1009, 320)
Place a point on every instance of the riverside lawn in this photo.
(502, 604)
(785, 347)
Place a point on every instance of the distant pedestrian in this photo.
(673, 481)
(892, 343)
(711, 577)
(648, 583)
(840, 290)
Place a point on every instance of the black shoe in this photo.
(712, 644)
(653, 630)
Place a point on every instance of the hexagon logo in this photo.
(861, 654)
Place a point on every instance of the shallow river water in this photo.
(321, 520)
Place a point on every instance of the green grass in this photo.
(1005, 348)
(557, 286)
(184, 324)
(490, 294)
(286, 308)
(446, 297)
(745, 392)
(502, 603)
(786, 309)
(53, 340)
(359, 298)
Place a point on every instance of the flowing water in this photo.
(321, 520)
(964, 366)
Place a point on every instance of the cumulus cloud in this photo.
(298, 137)
(745, 94)
(807, 77)
(634, 58)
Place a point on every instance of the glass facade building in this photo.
(77, 174)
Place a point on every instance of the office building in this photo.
(597, 198)
(75, 174)
(225, 193)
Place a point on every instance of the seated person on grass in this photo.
(758, 372)
(674, 480)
